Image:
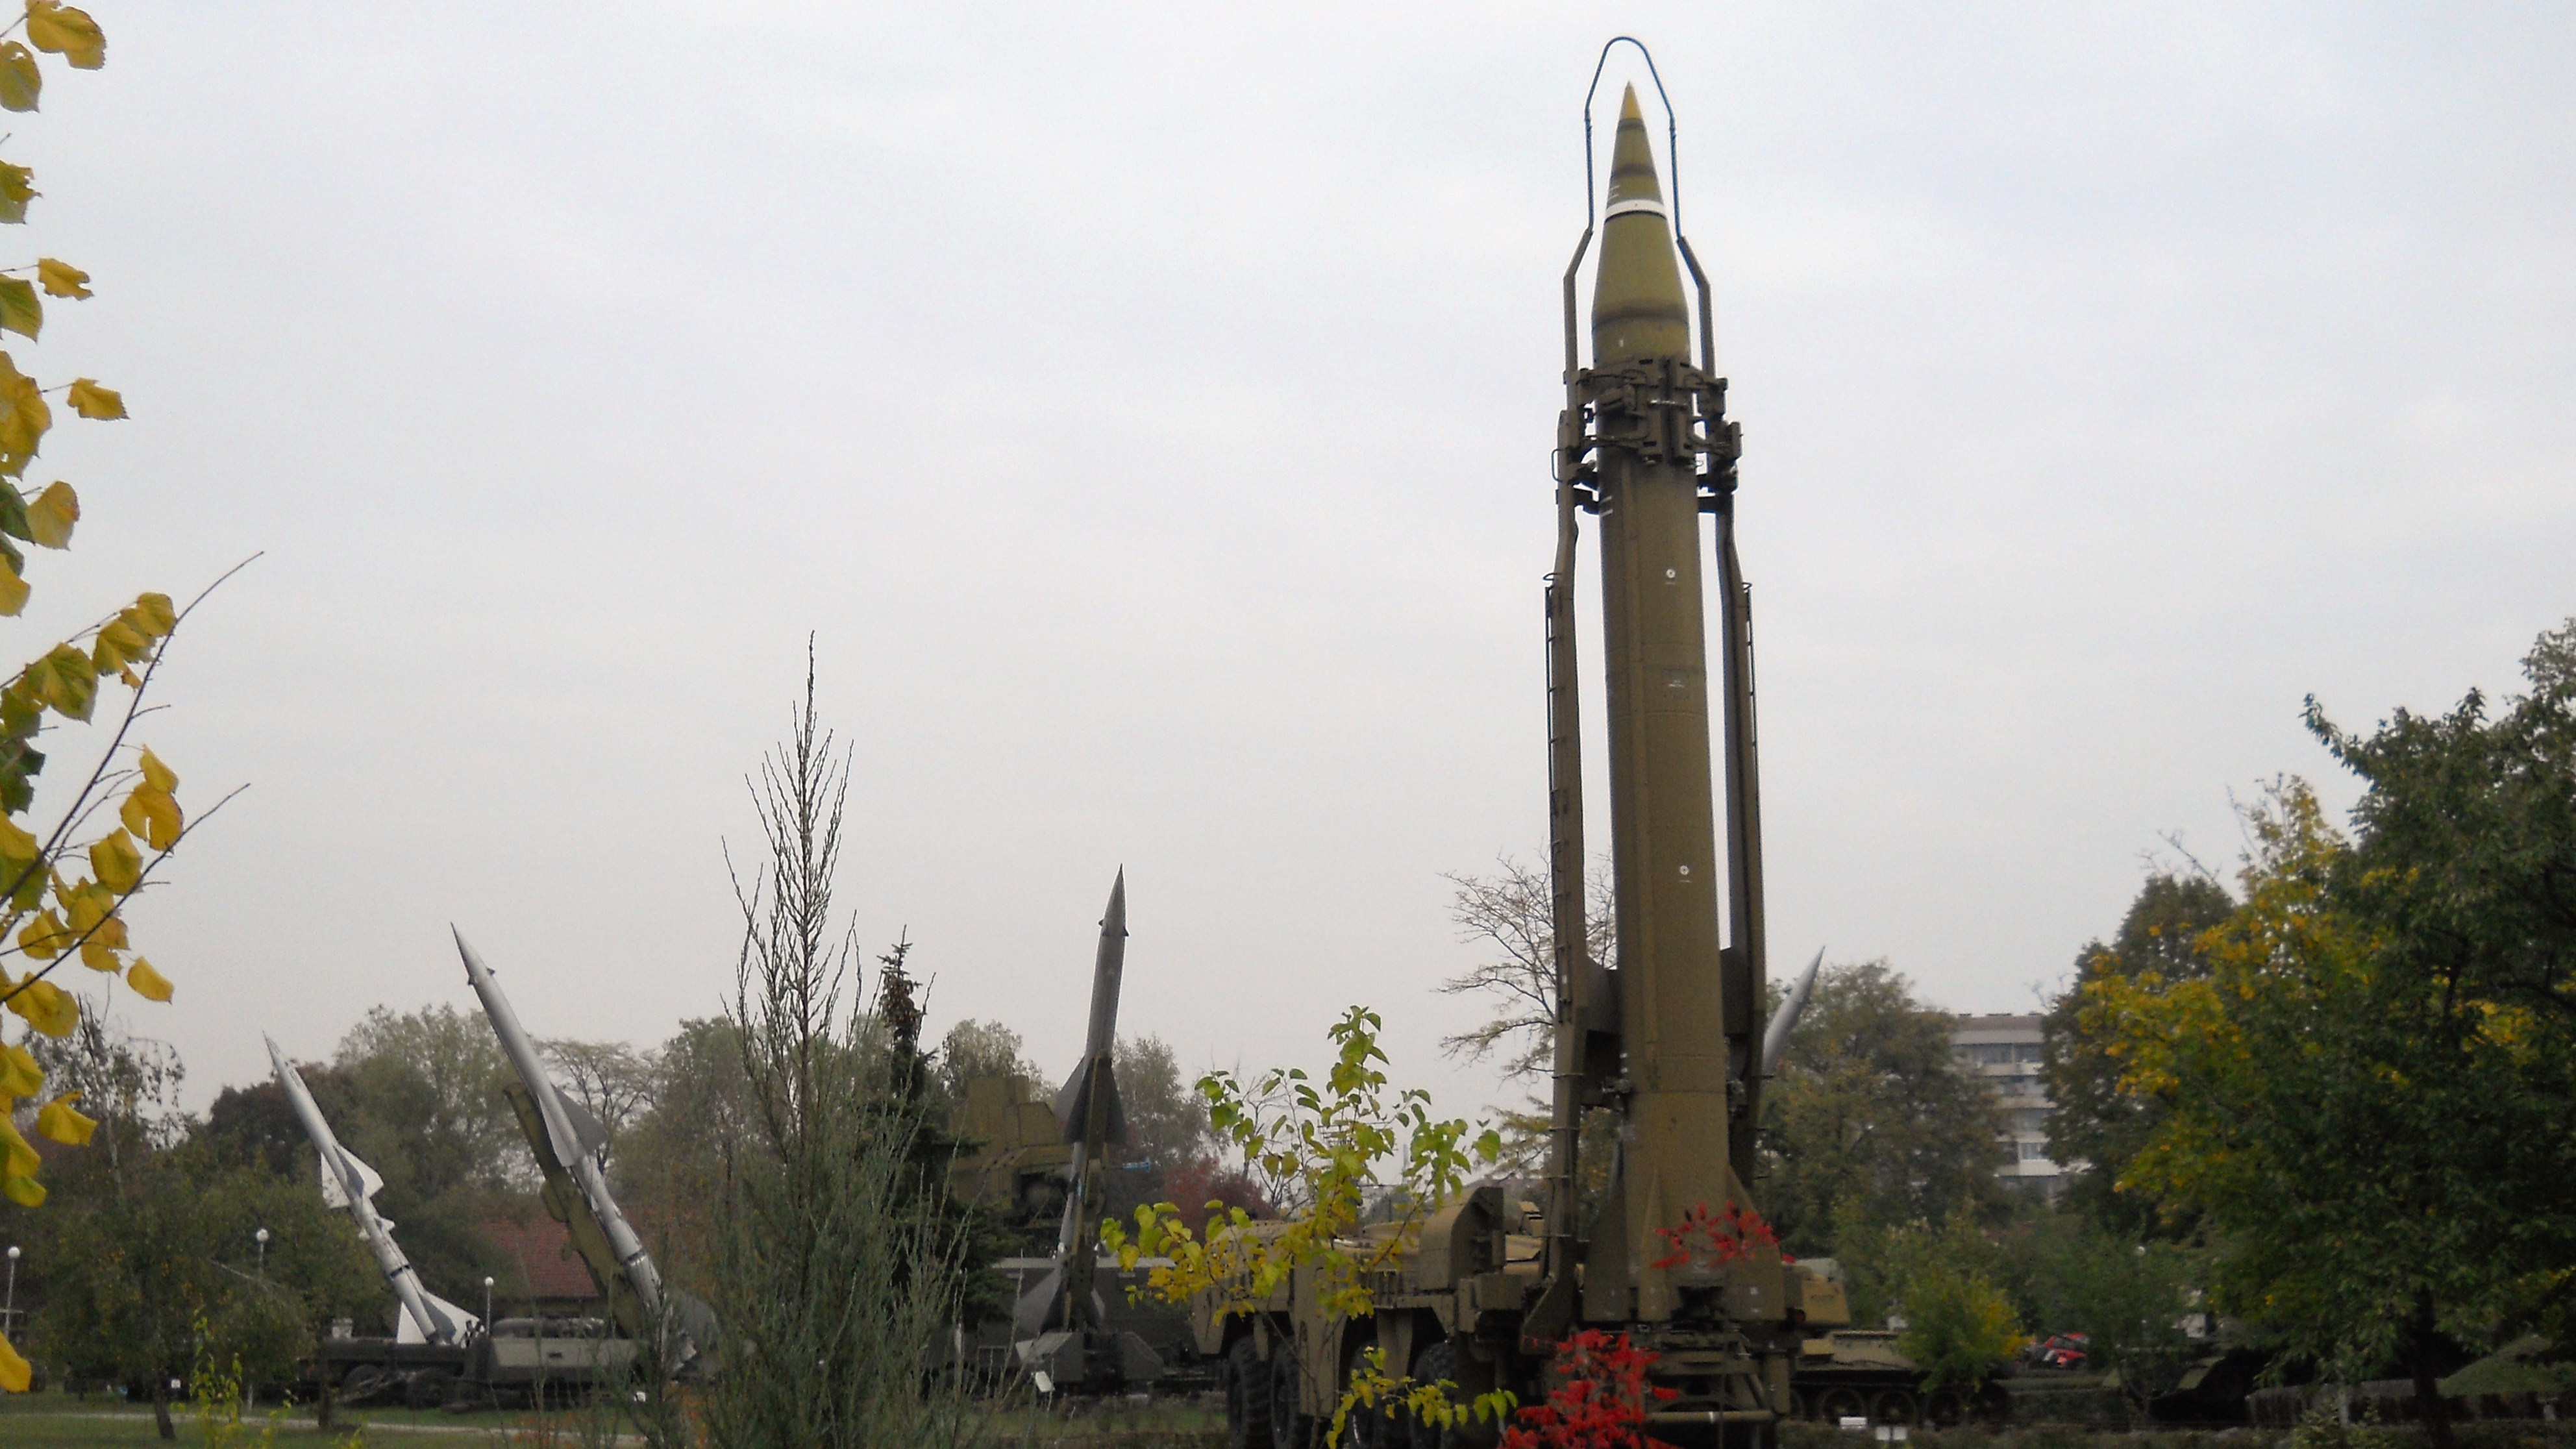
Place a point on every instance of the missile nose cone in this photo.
(473, 963)
(1115, 921)
(1638, 310)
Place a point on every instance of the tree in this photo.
(52, 910)
(2372, 1094)
(671, 1163)
(1167, 1120)
(1332, 1152)
(1870, 1121)
(2131, 1298)
(146, 1249)
(438, 1074)
(1513, 912)
(1945, 1284)
(2097, 1123)
(611, 1079)
(983, 1049)
(838, 1259)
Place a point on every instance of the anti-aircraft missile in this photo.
(1775, 1037)
(1092, 1118)
(576, 1137)
(350, 1184)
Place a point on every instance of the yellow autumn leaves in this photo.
(25, 416)
(81, 918)
(57, 1120)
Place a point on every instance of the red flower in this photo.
(1710, 1240)
(1599, 1401)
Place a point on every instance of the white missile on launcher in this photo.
(579, 1142)
(351, 1185)
(1775, 1037)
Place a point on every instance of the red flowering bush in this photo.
(1599, 1401)
(1707, 1241)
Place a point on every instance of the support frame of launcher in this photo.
(1669, 1044)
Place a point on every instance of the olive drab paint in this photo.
(1663, 835)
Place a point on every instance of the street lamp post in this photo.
(487, 1303)
(250, 1393)
(9, 1314)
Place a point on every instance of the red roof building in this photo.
(545, 1274)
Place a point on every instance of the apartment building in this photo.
(2004, 1049)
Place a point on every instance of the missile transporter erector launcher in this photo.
(1670, 1043)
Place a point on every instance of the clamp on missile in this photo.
(579, 1144)
(351, 1185)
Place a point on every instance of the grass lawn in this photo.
(58, 1421)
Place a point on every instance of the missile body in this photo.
(1685, 1059)
(576, 1136)
(1092, 1118)
(351, 1184)
(1775, 1037)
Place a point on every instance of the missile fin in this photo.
(446, 1321)
(457, 1321)
(594, 1138)
(1029, 1315)
(1070, 1098)
(1116, 1132)
(1073, 1104)
(334, 1194)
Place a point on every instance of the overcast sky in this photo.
(1147, 414)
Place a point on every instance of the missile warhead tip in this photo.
(1116, 918)
(1638, 310)
(474, 966)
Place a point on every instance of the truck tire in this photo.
(1439, 1361)
(1247, 1397)
(1291, 1427)
(1383, 1426)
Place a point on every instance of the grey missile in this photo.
(1092, 1118)
(1100, 1036)
(1775, 1037)
(350, 1184)
(577, 1138)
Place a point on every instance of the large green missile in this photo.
(1673, 1159)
